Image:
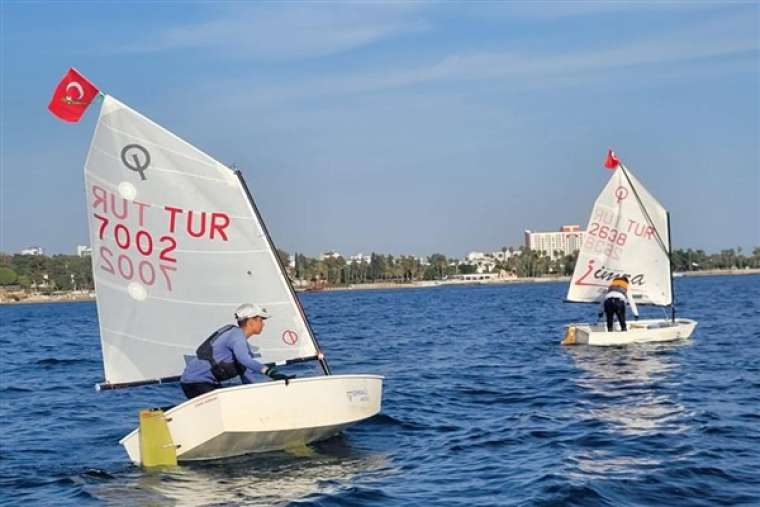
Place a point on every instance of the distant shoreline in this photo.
(41, 299)
(718, 272)
(79, 298)
(507, 281)
(423, 284)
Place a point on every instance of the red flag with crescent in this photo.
(612, 161)
(72, 96)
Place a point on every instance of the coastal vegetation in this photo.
(46, 273)
(43, 273)
(335, 270)
(520, 262)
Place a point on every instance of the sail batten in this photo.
(105, 282)
(626, 235)
(176, 247)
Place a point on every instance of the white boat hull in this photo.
(639, 331)
(266, 417)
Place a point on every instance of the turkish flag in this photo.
(612, 161)
(72, 96)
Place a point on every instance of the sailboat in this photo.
(178, 244)
(628, 234)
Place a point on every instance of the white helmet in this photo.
(247, 311)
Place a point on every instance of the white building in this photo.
(33, 250)
(474, 277)
(475, 256)
(44, 284)
(556, 244)
(503, 255)
(84, 251)
(359, 258)
(329, 255)
(482, 261)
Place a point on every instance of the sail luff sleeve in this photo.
(284, 274)
(98, 126)
(644, 212)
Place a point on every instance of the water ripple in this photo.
(482, 407)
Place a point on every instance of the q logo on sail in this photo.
(621, 193)
(136, 158)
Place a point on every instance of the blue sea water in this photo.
(482, 406)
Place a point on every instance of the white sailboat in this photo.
(628, 234)
(178, 243)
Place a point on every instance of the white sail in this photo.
(177, 245)
(626, 234)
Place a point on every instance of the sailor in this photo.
(226, 354)
(614, 302)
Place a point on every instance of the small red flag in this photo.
(72, 96)
(612, 161)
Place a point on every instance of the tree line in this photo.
(520, 262)
(731, 258)
(68, 272)
(388, 268)
(59, 272)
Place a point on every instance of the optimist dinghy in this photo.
(628, 234)
(177, 244)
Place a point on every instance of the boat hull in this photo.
(266, 417)
(641, 331)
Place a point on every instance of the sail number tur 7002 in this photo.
(145, 237)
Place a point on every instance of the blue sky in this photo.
(401, 127)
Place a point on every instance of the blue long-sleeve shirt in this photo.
(228, 347)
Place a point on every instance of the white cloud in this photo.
(557, 9)
(287, 31)
(718, 38)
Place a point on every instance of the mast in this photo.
(670, 261)
(320, 356)
(648, 218)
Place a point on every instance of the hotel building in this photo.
(566, 241)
